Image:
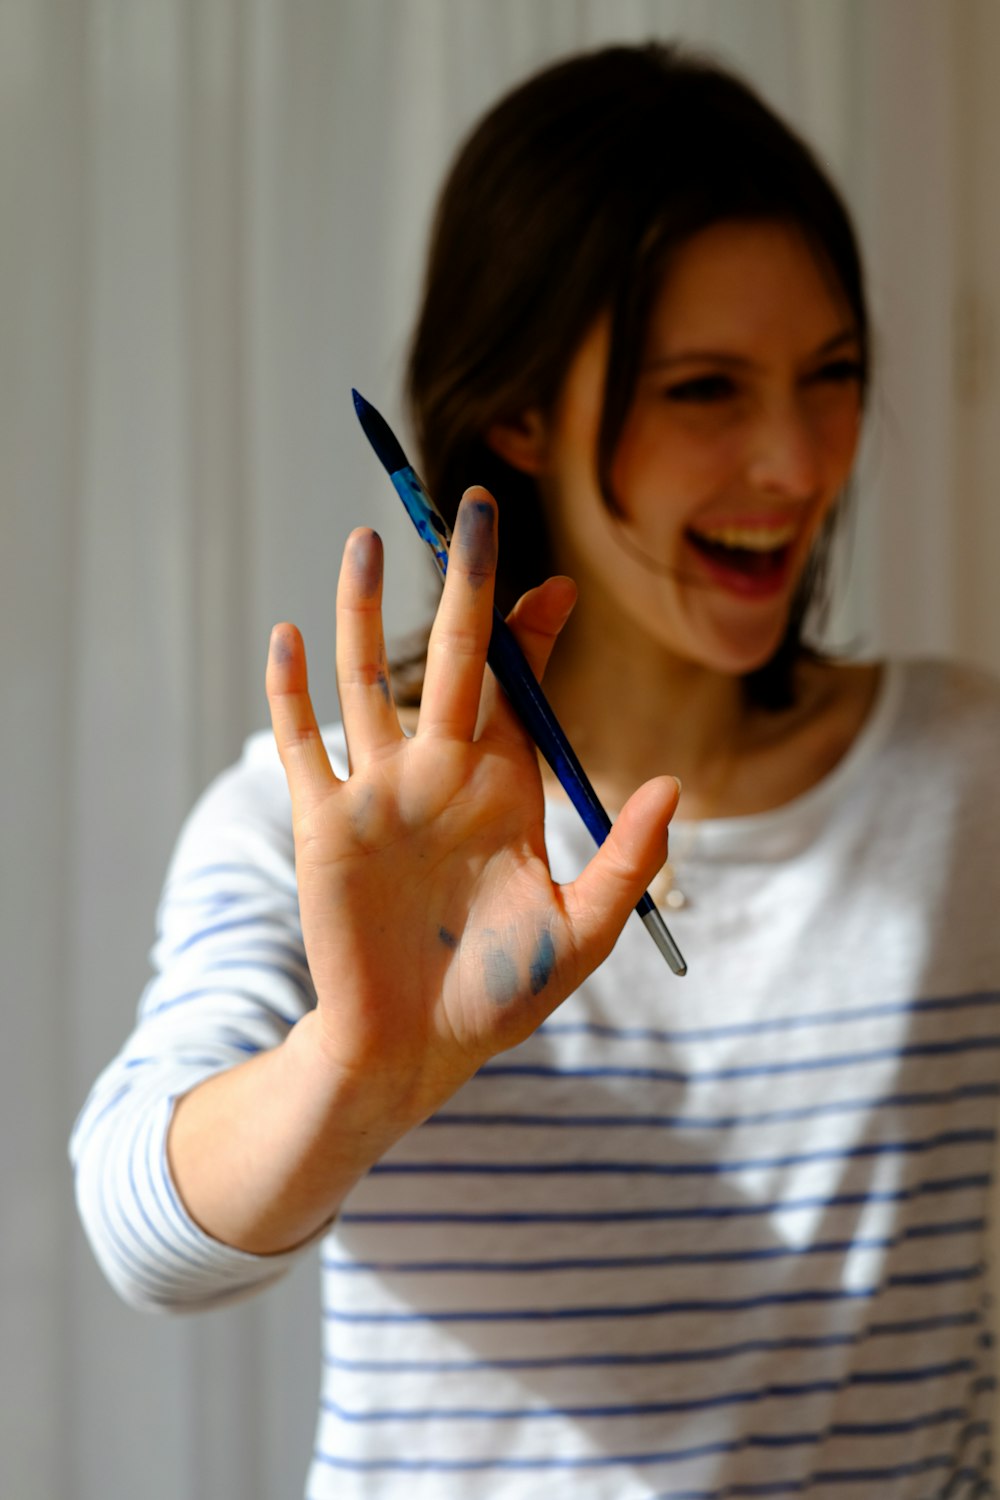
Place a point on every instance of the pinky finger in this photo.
(300, 744)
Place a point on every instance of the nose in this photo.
(786, 453)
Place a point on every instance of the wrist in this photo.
(354, 1115)
(263, 1154)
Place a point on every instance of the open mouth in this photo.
(759, 552)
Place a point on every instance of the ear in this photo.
(521, 442)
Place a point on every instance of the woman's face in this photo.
(741, 435)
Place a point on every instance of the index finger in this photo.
(300, 745)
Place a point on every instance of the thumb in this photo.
(598, 902)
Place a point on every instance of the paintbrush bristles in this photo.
(379, 434)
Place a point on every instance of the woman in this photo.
(592, 1231)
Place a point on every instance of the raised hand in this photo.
(435, 934)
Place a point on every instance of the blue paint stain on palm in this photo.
(543, 963)
(500, 974)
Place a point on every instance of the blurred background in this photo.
(213, 214)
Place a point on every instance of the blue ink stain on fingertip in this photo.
(448, 938)
(543, 963)
(280, 649)
(477, 537)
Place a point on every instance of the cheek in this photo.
(664, 471)
(838, 429)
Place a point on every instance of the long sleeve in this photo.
(230, 980)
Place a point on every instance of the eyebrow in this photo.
(846, 338)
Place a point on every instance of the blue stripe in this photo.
(173, 1253)
(280, 938)
(472, 1465)
(923, 1325)
(667, 1215)
(294, 976)
(635, 1262)
(260, 884)
(150, 1179)
(257, 920)
(292, 953)
(558, 1413)
(941, 1141)
(142, 1270)
(956, 1226)
(896, 1429)
(753, 1397)
(907, 1377)
(938, 1278)
(259, 1002)
(557, 1026)
(265, 897)
(603, 1461)
(877, 1476)
(255, 998)
(85, 1126)
(658, 1357)
(718, 1122)
(218, 1061)
(759, 1070)
(821, 1296)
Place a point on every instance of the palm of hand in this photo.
(432, 855)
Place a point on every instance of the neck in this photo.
(633, 711)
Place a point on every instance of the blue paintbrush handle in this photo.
(509, 666)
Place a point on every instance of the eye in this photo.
(701, 390)
(838, 372)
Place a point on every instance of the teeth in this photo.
(749, 538)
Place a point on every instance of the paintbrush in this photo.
(509, 665)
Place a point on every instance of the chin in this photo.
(731, 643)
(739, 654)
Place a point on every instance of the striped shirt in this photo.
(718, 1237)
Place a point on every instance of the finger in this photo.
(599, 901)
(300, 744)
(456, 651)
(536, 620)
(367, 709)
(538, 617)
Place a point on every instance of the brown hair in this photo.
(567, 200)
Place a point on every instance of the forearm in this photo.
(264, 1153)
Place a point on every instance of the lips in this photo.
(748, 558)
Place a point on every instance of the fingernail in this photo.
(366, 563)
(477, 538)
(278, 649)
